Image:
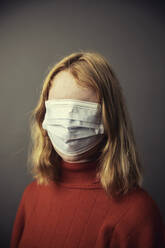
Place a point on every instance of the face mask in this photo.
(73, 126)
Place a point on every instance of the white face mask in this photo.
(73, 126)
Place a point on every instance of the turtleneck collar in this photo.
(79, 173)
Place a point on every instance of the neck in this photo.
(82, 173)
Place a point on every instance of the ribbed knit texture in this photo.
(77, 213)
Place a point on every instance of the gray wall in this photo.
(34, 35)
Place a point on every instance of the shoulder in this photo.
(34, 190)
(134, 203)
(133, 209)
(141, 204)
(29, 188)
(139, 222)
(30, 196)
(140, 211)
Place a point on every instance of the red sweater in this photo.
(77, 213)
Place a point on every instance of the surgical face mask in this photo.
(73, 126)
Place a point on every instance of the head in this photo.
(88, 76)
(65, 86)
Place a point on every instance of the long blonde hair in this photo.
(119, 166)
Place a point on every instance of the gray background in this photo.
(35, 35)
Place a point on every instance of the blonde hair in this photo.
(119, 167)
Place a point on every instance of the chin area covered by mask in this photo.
(90, 155)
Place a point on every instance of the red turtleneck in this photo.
(77, 213)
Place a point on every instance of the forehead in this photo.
(64, 86)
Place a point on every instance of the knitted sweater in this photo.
(77, 213)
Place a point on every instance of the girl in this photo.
(87, 188)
